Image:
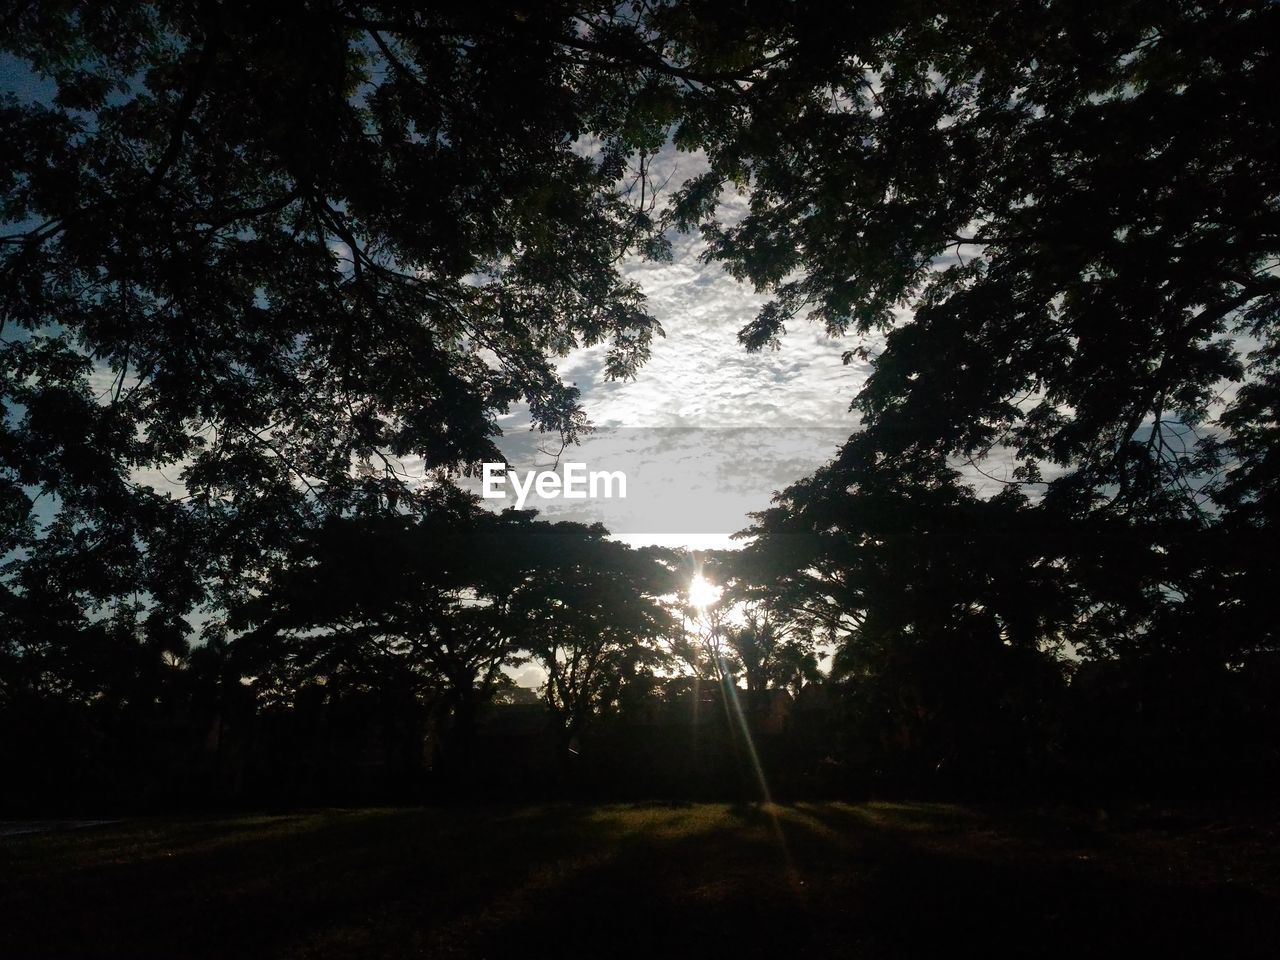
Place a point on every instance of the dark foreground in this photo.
(707, 880)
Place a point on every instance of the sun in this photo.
(702, 592)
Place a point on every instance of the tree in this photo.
(441, 603)
(251, 250)
(771, 656)
(589, 613)
(946, 610)
(396, 602)
(281, 253)
(1082, 218)
(770, 640)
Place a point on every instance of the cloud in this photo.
(700, 377)
(707, 431)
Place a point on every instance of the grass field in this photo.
(706, 880)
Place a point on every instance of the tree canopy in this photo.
(256, 261)
(257, 249)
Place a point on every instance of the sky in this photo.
(707, 431)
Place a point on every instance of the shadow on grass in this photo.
(873, 880)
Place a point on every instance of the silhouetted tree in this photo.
(589, 613)
(1082, 216)
(269, 255)
(946, 618)
(256, 248)
(397, 601)
(774, 641)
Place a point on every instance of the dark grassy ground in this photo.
(706, 880)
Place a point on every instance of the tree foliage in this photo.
(255, 262)
(251, 250)
(1080, 212)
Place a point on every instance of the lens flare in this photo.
(702, 592)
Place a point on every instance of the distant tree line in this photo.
(376, 664)
(255, 259)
